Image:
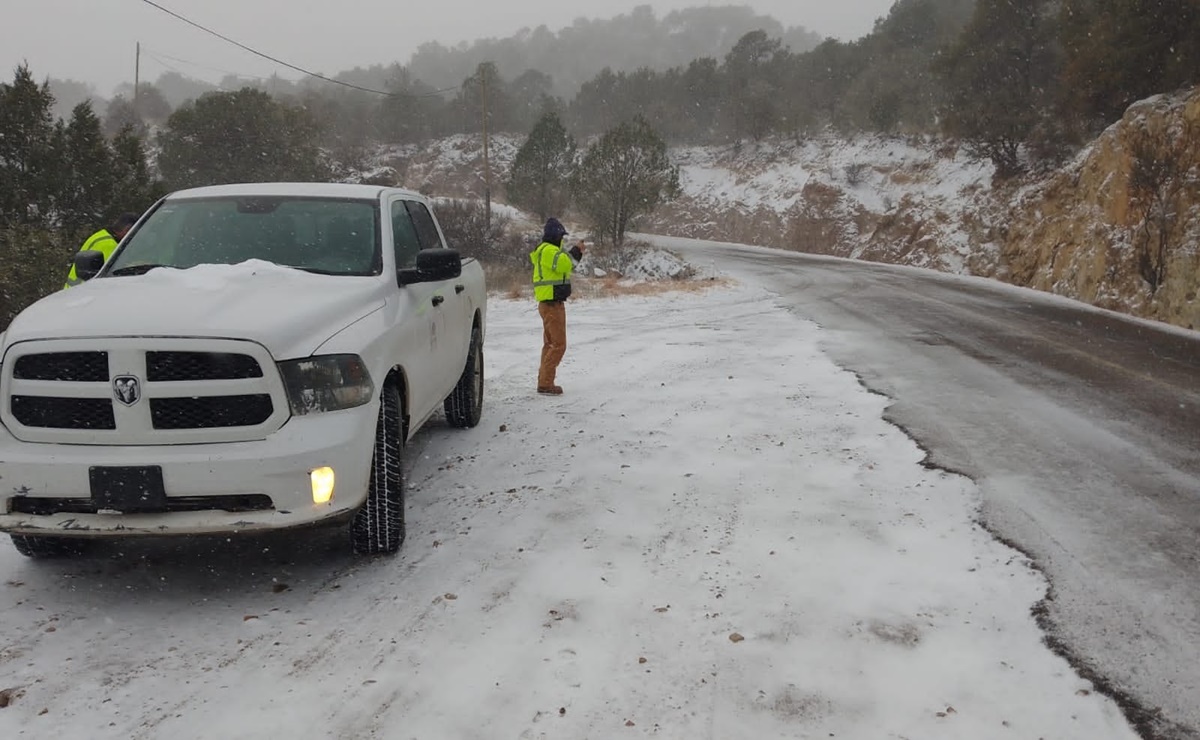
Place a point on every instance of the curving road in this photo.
(1081, 428)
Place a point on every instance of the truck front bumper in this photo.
(45, 489)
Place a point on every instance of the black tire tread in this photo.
(379, 527)
(38, 546)
(464, 405)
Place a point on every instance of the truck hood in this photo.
(290, 312)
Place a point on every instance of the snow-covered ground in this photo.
(694, 541)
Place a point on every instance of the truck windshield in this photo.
(325, 235)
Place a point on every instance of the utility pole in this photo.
(137, 74)
(484, 70)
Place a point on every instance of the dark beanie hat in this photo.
(554, 230)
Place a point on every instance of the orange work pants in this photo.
(554, 339)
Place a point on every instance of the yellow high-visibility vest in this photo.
(102, 242)
(551, 266)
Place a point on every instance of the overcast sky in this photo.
(93, 40)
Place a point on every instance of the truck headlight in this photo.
(326, 383)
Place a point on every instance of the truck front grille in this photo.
(76, 367)
(210, 412)
(176, 366)
(141, 391)
(49, 412)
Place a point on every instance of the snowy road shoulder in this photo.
(713, 534)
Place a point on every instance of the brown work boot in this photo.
(550, 390)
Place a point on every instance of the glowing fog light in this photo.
(322, 485)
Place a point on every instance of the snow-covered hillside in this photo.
(827, 195)
(831, 195)
(919, 201)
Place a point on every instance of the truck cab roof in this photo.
(295, 189)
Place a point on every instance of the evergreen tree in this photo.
(625, 174)
(540, 175)
(530, 96)
(243, 136)
(752, 76)
(999, 78)
(411, 113)
(134, 189)
(87, 190)
(29, 159)
(120, 114)
(1119, 51)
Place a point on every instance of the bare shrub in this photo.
(1161, 170)
(856, 173)
(468, 228)
(611, 257)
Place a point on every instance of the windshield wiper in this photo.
(133, 270)
(320, 271)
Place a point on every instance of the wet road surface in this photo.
(1082, 429)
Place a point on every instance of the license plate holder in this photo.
(128, 489)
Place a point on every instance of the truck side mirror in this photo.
(88, 264)
(433, 265)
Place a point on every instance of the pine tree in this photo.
(134, 189)
(1119, 51)
(87, 191)
(999, 79)
(120, 114)
(626, 174)
(753, 70)
(540, 175)
(29, 160)
(243, 136)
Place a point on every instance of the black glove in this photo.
(575, 252)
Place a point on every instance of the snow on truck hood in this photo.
(290, 312)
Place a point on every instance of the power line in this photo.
(161, 57)
(171, 67)
(292, 66)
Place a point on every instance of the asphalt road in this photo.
(1081, 428)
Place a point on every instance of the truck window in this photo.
(404, 236)
(426, 228)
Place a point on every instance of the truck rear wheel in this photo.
(464, 405)
(36, 546)
(378, 526)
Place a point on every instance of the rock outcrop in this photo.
(1119, 227)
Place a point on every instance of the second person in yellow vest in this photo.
(104, 241)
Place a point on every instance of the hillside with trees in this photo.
(1022, 86)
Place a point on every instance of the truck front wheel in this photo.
(464, 405)
(379, 525)
(36, 546)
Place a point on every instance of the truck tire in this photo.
(464, 405)
(378, 527)
(36, 546)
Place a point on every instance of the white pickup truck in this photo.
(252, 357)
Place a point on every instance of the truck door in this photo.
(418, 321)
(454, 328)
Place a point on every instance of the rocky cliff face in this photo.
(1120, 226)
(901, 200)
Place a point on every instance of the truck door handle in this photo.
(459, 288)
(438, 300)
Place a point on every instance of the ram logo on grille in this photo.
(127, 389)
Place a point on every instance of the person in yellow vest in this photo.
(552, 268)
(104, 241)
